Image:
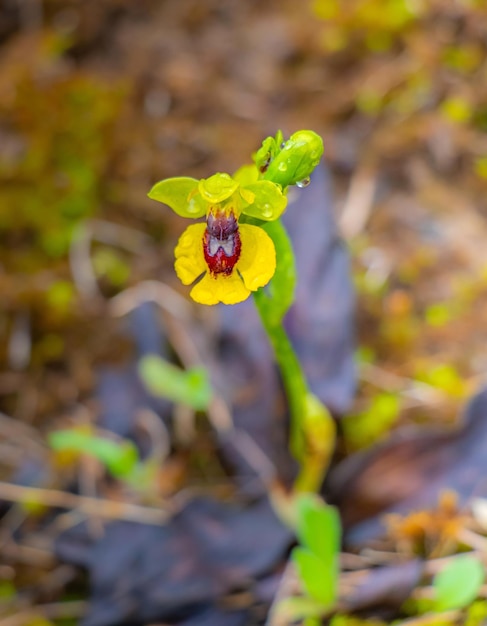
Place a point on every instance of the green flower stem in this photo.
(291, 372)
(312, 434)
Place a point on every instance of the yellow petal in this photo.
(257, 262)
(190, 261)
(220, 288)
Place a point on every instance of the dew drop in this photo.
(282, 167)
(303, 183)
(266, 210)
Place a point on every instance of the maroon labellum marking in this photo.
(221, 243)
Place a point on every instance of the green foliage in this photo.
(377, 22)
(7, 591)
(111, 265)
(439, 314)
(119, 457)
(277, 298)
(368, 426)
(60, 296)
(445, 378)
(476, 614)
(191, 387)
(317, 558)
(59, 132)
(349, 620)
(459, 583)
(456, 109)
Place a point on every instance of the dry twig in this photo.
(109, 509)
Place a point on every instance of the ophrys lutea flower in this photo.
(226, 258)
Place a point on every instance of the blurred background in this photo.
(99, 100)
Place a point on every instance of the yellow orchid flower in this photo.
(227, 258)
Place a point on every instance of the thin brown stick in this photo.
(150, 291)
(359, 203)
(288, 587)
(109, 509)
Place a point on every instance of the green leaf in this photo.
(181, 195)
(217, 188)
(269, 202)
(191, 387)
(296, 161)
(317, 578)
(120, 458)
(318, 528)
(276, 299)
(459, 583)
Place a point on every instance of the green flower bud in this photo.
(297, 159)
(267, 152)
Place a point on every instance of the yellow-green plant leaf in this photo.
(459, 583)
(315, 575)
(119, 457)
(191, 387)
(318, 528)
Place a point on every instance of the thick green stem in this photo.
(312, 428)
(291, 372)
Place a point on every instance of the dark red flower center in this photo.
(221, 243)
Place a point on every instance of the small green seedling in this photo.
(316, 559)
(459, 583)
(190, 387)
(119, 457)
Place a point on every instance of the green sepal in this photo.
(269, 202)
(246, 174)
(297, 159)
(181, 194)
(267, 152)
(318, 580)
(217, 188)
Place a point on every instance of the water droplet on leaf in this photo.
(282, 167)
(303, 183)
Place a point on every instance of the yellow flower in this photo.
(254, 267)
(228, 259)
